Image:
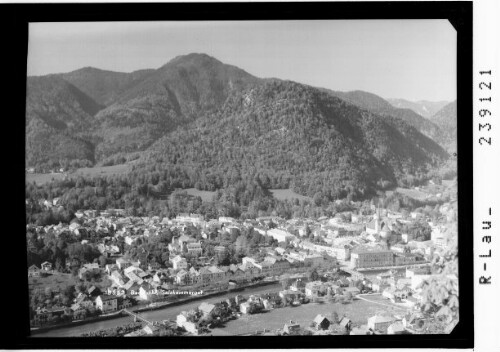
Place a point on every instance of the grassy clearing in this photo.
(413, 193)
(41, 179)
(103, 170)
(206, 196)
(56, 281)
(358, 311)
(287, 194)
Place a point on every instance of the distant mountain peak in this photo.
(424, 108)
(194, 58)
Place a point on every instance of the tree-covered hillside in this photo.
(209, 125)
(59, 121)
(446, 119)
(378, 105)
(424, 108)
(104, 86)
(131, 110)
(291, 135)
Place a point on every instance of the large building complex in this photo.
(363, 258)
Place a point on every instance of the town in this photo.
(108, 264)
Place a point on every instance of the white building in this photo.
(280, 235)
(179, 262)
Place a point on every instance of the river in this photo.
(154, 315)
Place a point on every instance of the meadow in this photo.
(358, 311)
(287, 194)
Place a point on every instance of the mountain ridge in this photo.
(424, 108)
(201, 116)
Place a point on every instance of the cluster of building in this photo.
(349, 240)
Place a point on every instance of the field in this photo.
(413, 193)
(57, 280)
(103, 170)
(40, 179)
(358, 311)
(287, 194)
(206, 196)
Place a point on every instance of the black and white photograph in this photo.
(245, 175)
(242, 178)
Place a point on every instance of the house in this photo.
(321, 322)
(46, 266)
(205, 275)
(193, 276)
(117, 278)
(251, 306)
(110, 268)
(33, 271)
(179, 262)
(314, 289)
(291, 328)
(280, 235)
(346, 323)
(412, 302)
(379, 285)
(313, 260)
(380, 323)
(106, 303)
(93, 291)
(394, 294)
(160, 277)
(413, 320)
(298, 286)
(79, 312)
(151, 329)
(123, 263)
(194, 248)
(206, 308)
(147, 292)
(396, 328)
(124, 302)
(189, 326)
(289, 296)
(249, 269)
(181, 277)
(216, 273)
(268, 305)
(246, 308)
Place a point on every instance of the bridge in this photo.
(137, 317)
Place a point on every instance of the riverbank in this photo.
(43, 329)
(166, 305)
(394, 267)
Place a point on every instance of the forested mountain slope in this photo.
(196, 122)
(291, 135)
(424, 108)
(378, 105)
(59, 121)
(446, 119)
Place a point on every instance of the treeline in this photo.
(154, 191)
(65, 251)
(142, 194)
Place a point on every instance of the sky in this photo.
(409, 59)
